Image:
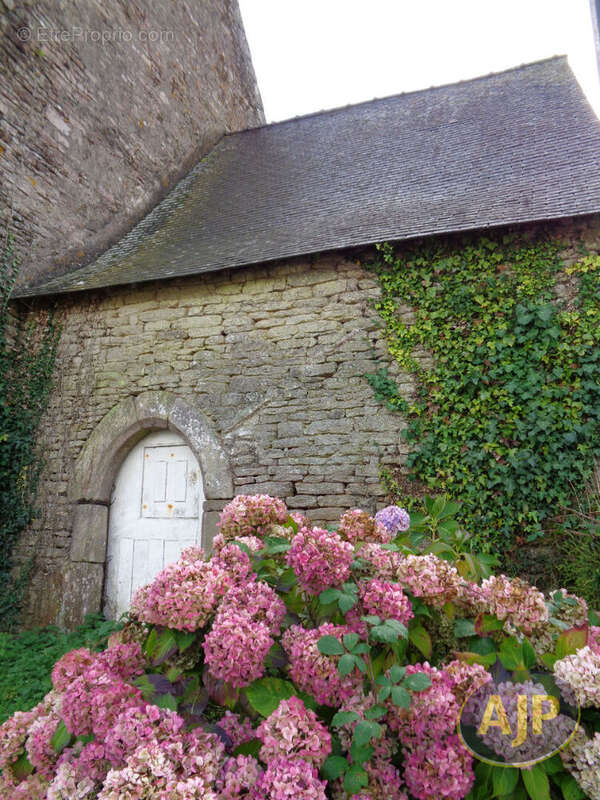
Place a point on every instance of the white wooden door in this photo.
(155, 512)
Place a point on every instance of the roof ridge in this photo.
(326, 111)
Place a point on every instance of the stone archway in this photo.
(95, 472)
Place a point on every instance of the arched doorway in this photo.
(155, 512)
(95, 472)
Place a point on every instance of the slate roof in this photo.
(511, 147)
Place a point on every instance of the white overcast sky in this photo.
(311, 55)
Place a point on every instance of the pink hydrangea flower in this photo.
(39, 750)
(441, 769)
(294, 731)
(290, 779)
(236, 647)
(253, 543)
(357, 525)
(183, 596)
(238, 777)
(320, 559)
(137, 725)
(235, 562)
(71, 666)
(126, 661)
(239, 730)
(314, 672)
(432, 712)
(429, 577)
(257, 600)
(513, 600)
(580, 672)
(13, 734)
(466, 678)
(94, 700)
(251, 515)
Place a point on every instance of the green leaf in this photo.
(251, 748)
(330, 646)
(400, 697)
(569, 642)
(344, 717)
(384, 693)
(437, 507)
(355, 778)
(22, 767)
(593, 617)
(376, 712)
(60, 738)
(350, 640)
(372, 620)
(487, 623)
(329, 596)
(346, 664)
(417, 682)
(367, 730)
(334, 767)
(265, 694)
(166, 701)
(511, 654)
(359, 753)
(399, 627)
(464, 627)
(360, 664)
(146, 687)
(570, 789)
(184, 639)
(397, 673)
(529, 657)
(536, 782)
(504, 780)
(346, 602)
(159, 645)
(382, 633)
(421, 640)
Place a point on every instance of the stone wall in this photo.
(262, 367)
(274, 358)
(104, 104)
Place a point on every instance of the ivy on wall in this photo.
(26, 363)
(507, 414)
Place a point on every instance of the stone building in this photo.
(221, 346)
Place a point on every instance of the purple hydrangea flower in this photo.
(393, 518)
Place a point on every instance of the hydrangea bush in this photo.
(298, 662)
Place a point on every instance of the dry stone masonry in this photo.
(273, 357)
(103, 106)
